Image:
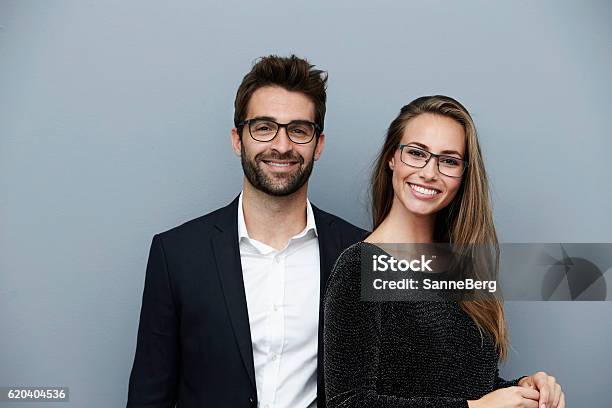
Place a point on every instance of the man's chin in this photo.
(280, 190)
(278, 183)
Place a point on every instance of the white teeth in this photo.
(279, 164)
(423, 190)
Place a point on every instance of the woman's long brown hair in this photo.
(468, 219)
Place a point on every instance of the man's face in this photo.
(279, 167)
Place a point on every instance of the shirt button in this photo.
(275, 308)
(274, 357)
(277, 259)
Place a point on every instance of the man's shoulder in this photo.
(202, 226)
(341, 224)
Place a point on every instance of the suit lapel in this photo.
(329, 244)
(227, 257)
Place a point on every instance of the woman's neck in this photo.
(403, 226)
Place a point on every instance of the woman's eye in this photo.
(449, 161)
(416, 153)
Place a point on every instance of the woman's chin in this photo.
(421, 209)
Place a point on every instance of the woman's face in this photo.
(436, 134)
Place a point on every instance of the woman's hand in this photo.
(510, 397)
(551, 395)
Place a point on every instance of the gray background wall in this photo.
(114, 125)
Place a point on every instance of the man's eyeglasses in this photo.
(264, 130)
(416, 157)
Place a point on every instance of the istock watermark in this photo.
(508, 271)
(383, 263)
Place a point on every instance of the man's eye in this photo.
(263, 127)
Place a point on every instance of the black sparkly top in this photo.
(403, 353)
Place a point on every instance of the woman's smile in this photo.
(423, 193)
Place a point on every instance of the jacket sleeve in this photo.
(352, 347)
(154, 378)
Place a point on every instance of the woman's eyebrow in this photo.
(421, 145)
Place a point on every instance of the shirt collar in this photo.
(310, 221)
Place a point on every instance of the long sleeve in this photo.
(352, 346)
(501, 383)
(155, 373)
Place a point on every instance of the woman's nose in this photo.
(430, 170)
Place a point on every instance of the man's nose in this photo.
(281, 142)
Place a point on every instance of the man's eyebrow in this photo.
(421, 145)
(273, 119)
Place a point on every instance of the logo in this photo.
(384, 263)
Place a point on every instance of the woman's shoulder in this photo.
(352, 256)
(347, 266)
(343, 293)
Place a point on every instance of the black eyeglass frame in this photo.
(316, 133)
(437, 156)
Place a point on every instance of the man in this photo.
(231, 311)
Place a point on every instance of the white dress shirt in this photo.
(282, 292)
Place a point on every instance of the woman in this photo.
(429, 186)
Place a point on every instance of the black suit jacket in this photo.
(194, 341)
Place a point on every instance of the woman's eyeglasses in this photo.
(416, 157)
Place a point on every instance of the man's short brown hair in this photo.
(291, 73)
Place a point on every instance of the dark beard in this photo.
(262, 182)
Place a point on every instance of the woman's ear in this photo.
(392, 163)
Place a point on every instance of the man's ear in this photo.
(392, 163)
(320, 146)
(236, 141)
